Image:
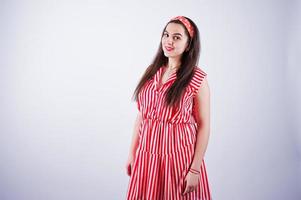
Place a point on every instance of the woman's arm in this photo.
(202, 115)
(135, 136)
(134, 145)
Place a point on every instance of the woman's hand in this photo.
(191, 181)
(129, 165)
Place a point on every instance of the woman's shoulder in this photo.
(198, 77)
(199, 72)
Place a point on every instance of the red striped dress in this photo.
(167, 138)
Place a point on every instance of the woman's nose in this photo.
(170, 40)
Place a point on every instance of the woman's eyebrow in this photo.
(174, 33)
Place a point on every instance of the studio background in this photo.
(68, 70)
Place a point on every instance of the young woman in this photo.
(171, 133)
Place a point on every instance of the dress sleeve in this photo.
(197, 79)
(196, 82)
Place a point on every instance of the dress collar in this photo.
(158, 76)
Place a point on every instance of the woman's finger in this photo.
(188, 189)
(185, 186)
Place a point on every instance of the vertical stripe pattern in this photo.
(167, 138)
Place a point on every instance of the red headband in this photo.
(186, 23)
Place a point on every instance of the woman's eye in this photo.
(176, 38)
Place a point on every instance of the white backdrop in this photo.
(68, 70)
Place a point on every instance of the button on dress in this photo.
(167, 138)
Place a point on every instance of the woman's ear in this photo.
(188, 46)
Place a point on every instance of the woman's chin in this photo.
(167, 54)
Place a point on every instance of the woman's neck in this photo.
(173, 64)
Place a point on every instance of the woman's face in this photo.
(174, 40)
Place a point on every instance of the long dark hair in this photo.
(185, 72)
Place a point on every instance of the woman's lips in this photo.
(169, 48)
